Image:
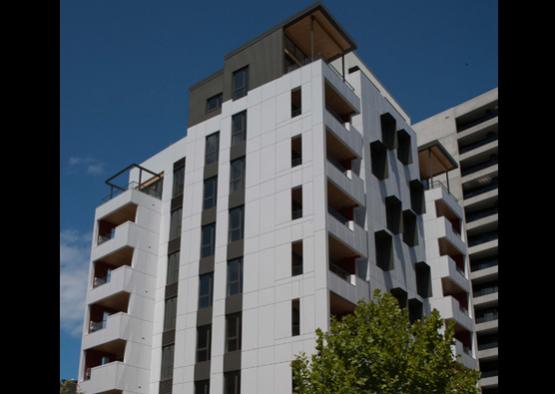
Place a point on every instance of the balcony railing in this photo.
(335, 213)
(479, 190)
(467, 350)
(472, 216)
(489, 316)
(95, 326)
(336, 269)
(106, 237)
(479, 166)
(476, 266)
(487, 345)
(485, 291)
(482, 119)
(477, 144)
(340, 76)
(151, 186)
(482, 238)
(87, 373)
(99, 281)
(489, 374)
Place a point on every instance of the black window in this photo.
(212, 148)
(233, 332)
(202, 387)
(167, 363)
(295, 317)
(378, 157)
(170, 310)
(214, 103)
(203, 342)
(240, 83)
(175, 224)
(296, 104)
(232, 382)
(238, 128)
(297, 202)
(234, 276)
(208, 241)
(236, 220)
(173, 268)
(296, 151)
(410, 228)
(237, 175)
(178, 181)
(205, 290)
(404, 149)
(297, 258)
(210, 192)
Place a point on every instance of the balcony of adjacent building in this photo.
(314, 35)
(487, 346)
(463, 347)
(482, 238)
(477, 137)
(482, 213)
(485, 292)
(488, 374)
(484, 267)
(435, 167)
(486, 318)
(477, 116)
(479, 165)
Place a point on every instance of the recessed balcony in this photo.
(117, 326)
(339, 306)
(348, 232)
(115, 377)
(450, 243)
(343, 138)
(341, 102)
(449, 308)
(127, 234)
(465, 352)
(449, 271)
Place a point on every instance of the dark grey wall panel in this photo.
(199, 93)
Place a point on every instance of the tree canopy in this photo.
(377, 350)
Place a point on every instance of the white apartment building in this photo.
(469, 133)
(295, 193)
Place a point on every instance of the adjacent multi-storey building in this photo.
(469, 134)
(296, 192)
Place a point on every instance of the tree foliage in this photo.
(377, 350)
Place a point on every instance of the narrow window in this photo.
(378, 157)
(236, 220)
(173, 269)
(178, 181)
(384, 250)
(423, 279)
(232, 382)
(212, 148)
(233, 332)
(170, 309)
(175, 224)
(297, 258)
(388, 126)
(237, 175)
(295, 317)
(214, 103)
(296, 104)
(234, 276)
(296, 151)
(210, 194)
(203, 343)
(167, 363)
(404, 153)
(206, 288)
(393, 211)
(240, 83)
(239, 128)
(202, 387)
(208, 241)
(297, 202)
(410, 229)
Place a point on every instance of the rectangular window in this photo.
(178, 181)
(210, 192)
(296, 151)
(208, 241)
(205, 290)
(212, 148)
(173, 268)
(167, 363)
(240, 83)
(232, 382)
(239, 128)
(170, 309)
(175, 224)
(203, 343)
(297, 258)
(237, 175)
(295, 317)
(296, 104)
(297, 203)
(234, 276)
(202, 387)
(214, 103)
(236, 221)
(233, 332)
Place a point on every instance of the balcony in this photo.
(122, 279)
(347, 181)
(135, 177)
(465, 352)
(118, 326)
(481, 213)
(481, 186)
(130, 235)
(450, 243)
(478, 239)
(477, 116)
(349, 233)
(115, 375)
(448, 270)
(346, 284)
(339, 306)
(449, 308)
(465, 147)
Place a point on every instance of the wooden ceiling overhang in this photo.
(434, 160)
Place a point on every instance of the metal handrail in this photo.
(142, 186)
(95, 326)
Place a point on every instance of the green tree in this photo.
(68, 386)
(377, 350)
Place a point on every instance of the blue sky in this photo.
(126, 66)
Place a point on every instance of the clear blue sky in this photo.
(126, 66)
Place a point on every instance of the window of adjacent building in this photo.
(240, 83)
(378, 158)
(212, 148)
(175, 224)
(393, 211)
(388, 126)
(232, 382)
(206, 288)
(210, 194)
(214, 103)
(297, 258)
(208, 240)
(296, 104)
(233, 332)
(167, 363)
(404, 153)
(239, 128)
(296, 151)
(423, 279)
(417, 202)
(203, 342)
(384, 250)
(234, 276)
(170, 310)
(415, 310)
(202, 387)
(236, 221)
(410, 233)
(295, 317)
(178, 181)
(173, 269)
(297, 202)
(237, 175)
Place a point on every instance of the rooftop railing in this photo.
(152, 185)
